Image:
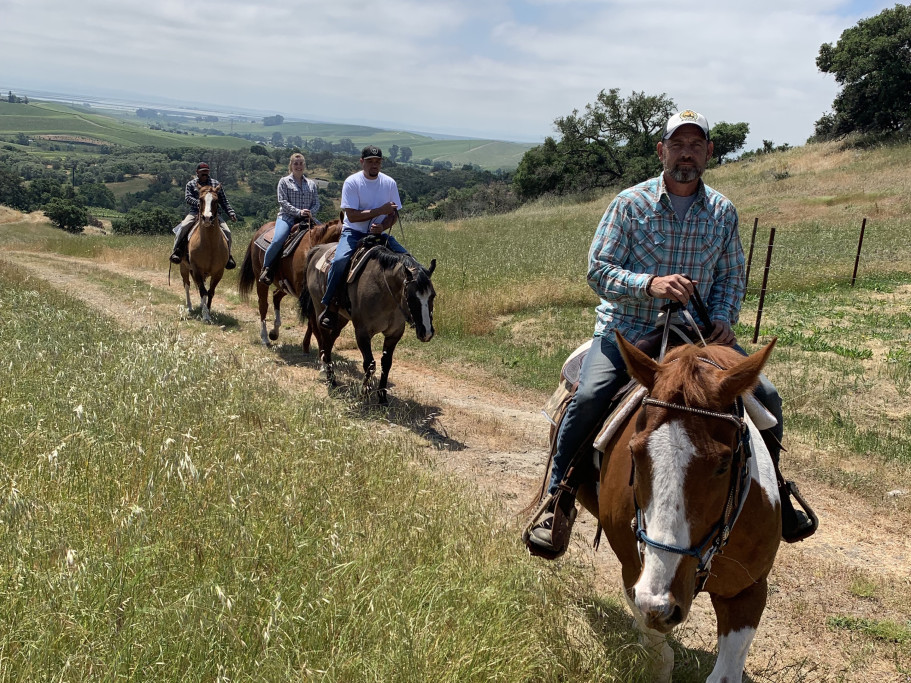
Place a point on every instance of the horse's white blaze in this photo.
(732, 656)
(207, 208)
(671, 451)
(424, 298)
(761, 469)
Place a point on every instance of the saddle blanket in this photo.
(296, 235)
(358, 261)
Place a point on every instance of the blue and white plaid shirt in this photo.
(292, 197)
(641, 236)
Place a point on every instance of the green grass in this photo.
(876, 629)
(162, 520)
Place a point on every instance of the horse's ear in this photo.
(433, 265)
(743, 376)
(642, 368)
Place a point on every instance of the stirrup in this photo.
(328, 319)
(266, 276)
(231, 264)
(804, 521)
(548, 531)
(175, 258)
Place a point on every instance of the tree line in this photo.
(68, 191)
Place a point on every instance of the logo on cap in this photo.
(688, 115)
(371, 152)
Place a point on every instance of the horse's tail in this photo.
(247, 275)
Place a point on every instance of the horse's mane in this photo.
(326, 232)
(695, 381)
(388, 260)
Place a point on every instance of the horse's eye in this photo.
(724, 468)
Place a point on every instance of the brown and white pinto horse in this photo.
(674, 481)
(290, 274)
(207, 253)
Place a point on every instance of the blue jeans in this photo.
(347, 243)
(282, 228)
(602, 375)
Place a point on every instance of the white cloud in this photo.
(496, 68)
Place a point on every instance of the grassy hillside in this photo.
(488, 154)
(118, 128)
(247, 541)
(48, 119)
(512, 302)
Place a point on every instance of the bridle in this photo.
(739, 487)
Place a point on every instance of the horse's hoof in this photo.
(273, 336)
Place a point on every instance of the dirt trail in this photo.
(498, 442)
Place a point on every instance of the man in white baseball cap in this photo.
(682, 118)
(658, 241)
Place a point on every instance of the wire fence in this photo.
(813, 255)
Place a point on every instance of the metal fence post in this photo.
(746, 283)
(860, 243)
(765, 281)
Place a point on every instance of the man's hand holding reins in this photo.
(676, 287)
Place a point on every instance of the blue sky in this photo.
(502, 69)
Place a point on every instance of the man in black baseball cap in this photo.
(371, 152)
(370, 202)
(191, 196)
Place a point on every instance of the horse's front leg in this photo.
(738, 618)
(327, 369)
(661, 654)
(213, 283)
(277, 297)
(203, 297)
(363, 343)
(389, 344)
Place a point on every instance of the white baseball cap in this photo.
(682, 118)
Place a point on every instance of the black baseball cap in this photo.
(202, 166)
(371, 152)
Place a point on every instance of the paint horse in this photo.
(207, 252)
(289, 274)
(676, 479)
(393, 290)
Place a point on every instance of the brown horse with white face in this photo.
(290, 274)
(207, 252)
(686, 507)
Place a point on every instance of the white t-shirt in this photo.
(363, 194)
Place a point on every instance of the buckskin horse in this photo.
(392, 291)
(207, 252)
(290, 274)
(684, 468)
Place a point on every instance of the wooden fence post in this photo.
(746, 283)
(765, 282)
(860, 243)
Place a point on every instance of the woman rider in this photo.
(298, 200)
